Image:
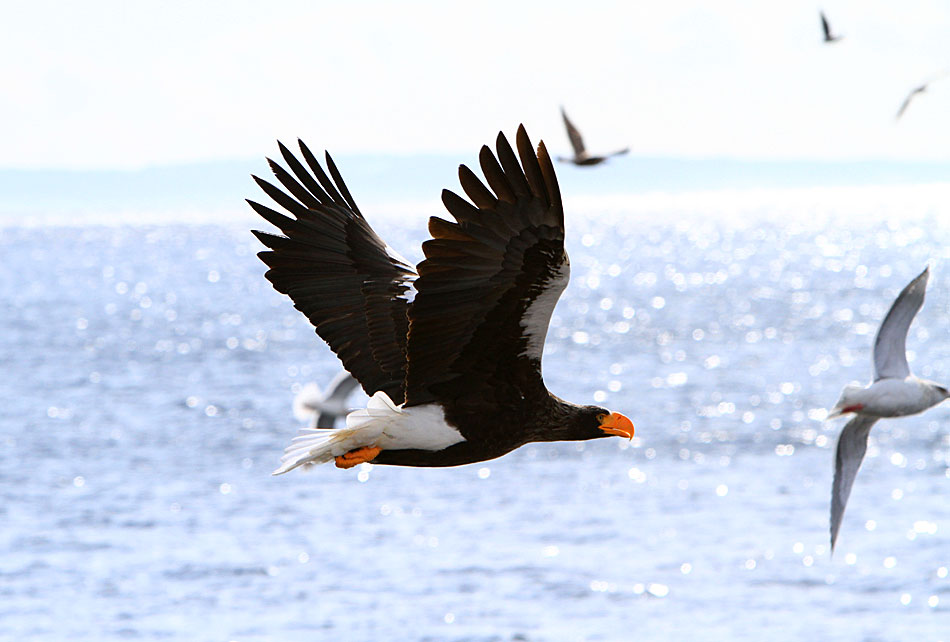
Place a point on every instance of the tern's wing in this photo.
(333, 404)
(890, 354)
(825, 27)
(305, 403)
(341, 387)
(852, 444)
(921, 89)
(572, 133)
(910, 96)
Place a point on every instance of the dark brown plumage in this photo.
(337, 272)
(469, 344)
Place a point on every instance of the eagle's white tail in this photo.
(321, 445)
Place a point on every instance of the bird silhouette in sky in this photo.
(826, 28)
(581, 156)
(918, 90)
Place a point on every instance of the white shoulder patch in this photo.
(538, 314)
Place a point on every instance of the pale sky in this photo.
(117, 84)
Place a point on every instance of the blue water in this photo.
(148, 377)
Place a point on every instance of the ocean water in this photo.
(148, 374)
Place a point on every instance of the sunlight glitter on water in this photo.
(160, 411)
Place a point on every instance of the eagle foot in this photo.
(357, 456)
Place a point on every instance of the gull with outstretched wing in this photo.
(895, 392)
(581, 156)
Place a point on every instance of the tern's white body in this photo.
(889, 397)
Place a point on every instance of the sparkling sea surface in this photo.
(148, 374)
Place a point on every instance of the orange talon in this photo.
(357, 456)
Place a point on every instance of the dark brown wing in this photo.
(489, 282)
(576, 141)
(337, 271)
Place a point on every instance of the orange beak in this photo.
(617, 424)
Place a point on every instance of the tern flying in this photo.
(916, 91)
(895, 392)
(322, 408)
(581, 157)
(826, 29)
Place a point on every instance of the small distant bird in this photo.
(581, 157)
(895, 392)
(917, 90)
(913, 92)
(829, 38)
(453, 372)
(322, 409)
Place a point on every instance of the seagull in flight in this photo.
(581, 157)
(915, 91)
(895, 392)
(826, 28)
(322, 408)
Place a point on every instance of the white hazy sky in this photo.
(115, 84)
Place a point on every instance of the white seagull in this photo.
(895, 392)
(321, 408)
